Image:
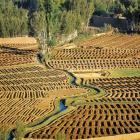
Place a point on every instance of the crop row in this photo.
(85, 64)
(27, 75)
(30, 80)
(20, 69)
(109, 100)
(124, 92)
(25, 80)
(70, 54)
(8, 59)
(126, 81)
(33, 90)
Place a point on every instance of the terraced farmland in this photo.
(95, 120)
(114, 107)
(95, 53)
(92, 90)
(116, 112)
(28, 89)
(89, 58)
(29, 93)
(93, 64)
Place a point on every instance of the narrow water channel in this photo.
(62, 107)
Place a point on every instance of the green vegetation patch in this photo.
(116, 73)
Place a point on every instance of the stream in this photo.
(62, 107)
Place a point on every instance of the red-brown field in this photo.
(98, 80)
(28, 89)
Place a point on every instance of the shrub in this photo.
(19, 131)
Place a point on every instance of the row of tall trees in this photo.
(128, 8)
(116, 6)
(56, 17)
(13, 21)
(52, 17)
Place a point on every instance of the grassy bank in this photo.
(117, 73)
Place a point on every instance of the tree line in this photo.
(127, 8)
(57, 17)
(52, 17)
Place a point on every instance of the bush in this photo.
(19, 131)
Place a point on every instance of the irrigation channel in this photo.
(60, 107)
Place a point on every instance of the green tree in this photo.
(12, 17)
(53, 13)
(68, 22)
(52, 17)
(100, 6)
(37, 23)
(79, 16)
